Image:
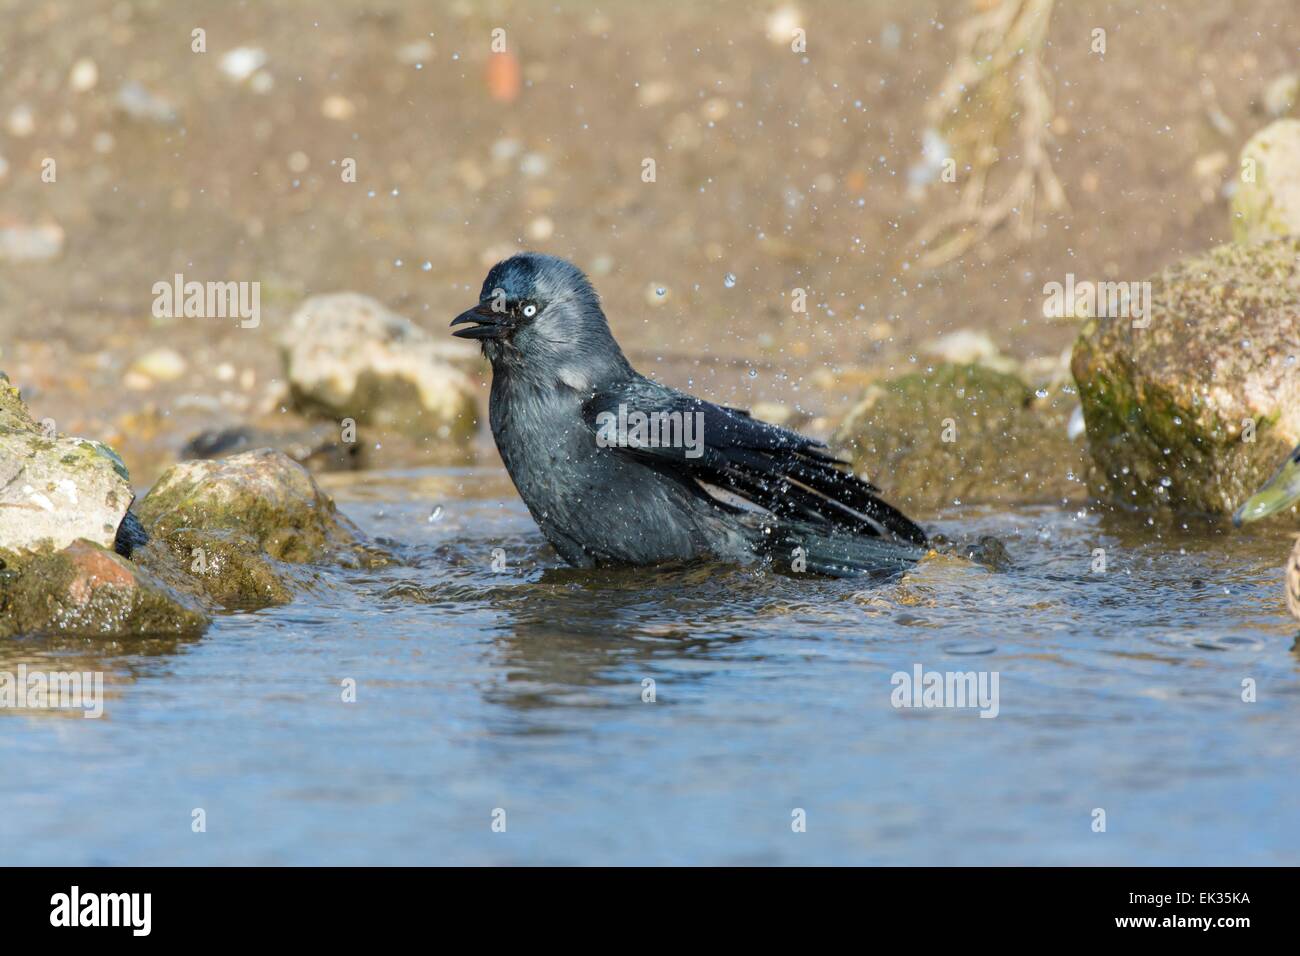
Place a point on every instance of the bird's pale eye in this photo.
(530, 310)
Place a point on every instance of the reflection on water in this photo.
(681, 715)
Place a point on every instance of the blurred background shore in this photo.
(774, 170)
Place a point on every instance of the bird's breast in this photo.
(589, 498)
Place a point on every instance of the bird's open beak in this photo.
(1282, 491)
(482, 323)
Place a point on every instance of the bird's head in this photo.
(539, 315)
(1282, 490)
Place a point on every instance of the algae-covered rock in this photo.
(245, 531)
(1194, 411)
(86, 590)
(346, 356)
(54, 490)
(1267, 201)
(963, 433)
(262, 495)
(13, 413)
(63, 505)
(226, 568)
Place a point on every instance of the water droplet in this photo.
(427, 266)
(1041, 393)
(661, 291)
(729, 280)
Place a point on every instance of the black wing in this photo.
(781, 471)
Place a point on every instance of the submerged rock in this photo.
(246, 531)
(346, 356)
(1267, 201)
(55, 490)
(86, 590)
(226, 568)
(1194, 411)
(967, 434)
(262, 495)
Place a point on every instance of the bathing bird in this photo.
(618, 470)
(1282, 491)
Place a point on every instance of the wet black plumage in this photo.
(749, 490)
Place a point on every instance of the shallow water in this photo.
(521, 689)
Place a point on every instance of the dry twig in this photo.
(998, 77)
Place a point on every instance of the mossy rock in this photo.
(346, 356)
(262, 495)
(228, 569)
(1194, 411)
(53, 489)
(964, 434)
(13, 413)
(1266, 203)
(88, 591)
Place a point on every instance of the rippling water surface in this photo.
(522, 689)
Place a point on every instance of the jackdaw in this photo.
(619, 470)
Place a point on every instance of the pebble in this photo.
(83, 76)
(418, 51)
(781, 24)
(139, 104)
(22, 121)
(25, 242)
(242, 62)
(534, 164)
(160, 365)
(337, 108)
